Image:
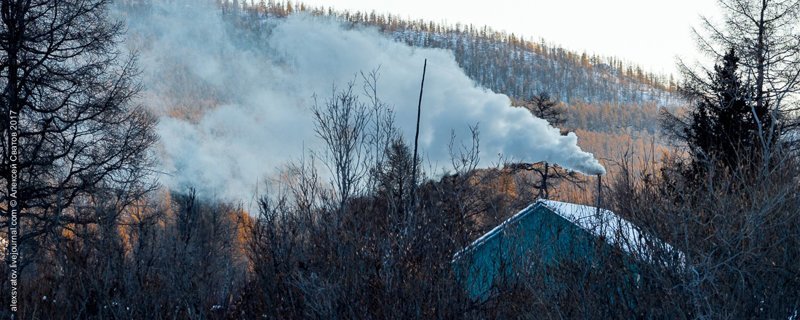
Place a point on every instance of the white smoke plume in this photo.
(232, 111)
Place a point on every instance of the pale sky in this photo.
(648, 33)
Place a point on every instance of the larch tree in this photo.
(543, 106)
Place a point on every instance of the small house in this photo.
(554, 232)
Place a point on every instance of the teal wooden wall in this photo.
(535, 231)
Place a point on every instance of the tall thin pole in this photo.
(544, 180)
(416, 136)
(599, 192)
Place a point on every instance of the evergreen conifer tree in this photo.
(727, 128)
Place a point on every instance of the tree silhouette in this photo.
(82, 141)
(545, 107)
(726, 128)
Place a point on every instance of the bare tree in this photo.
(381, 132)
(341, 122)
(765, 34)
(549, 176)
(737, 248)
(80, 134)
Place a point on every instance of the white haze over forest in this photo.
(264, 88)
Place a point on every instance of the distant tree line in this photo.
(502, 62)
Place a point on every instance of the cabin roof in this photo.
(602, 223)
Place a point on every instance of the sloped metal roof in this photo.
(602, 223)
